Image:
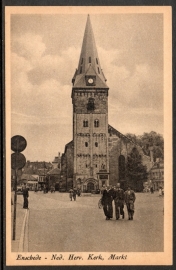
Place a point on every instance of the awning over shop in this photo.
(32, 182)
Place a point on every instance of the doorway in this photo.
(90, 187)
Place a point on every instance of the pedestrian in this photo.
(79, 192)
(102, 189)
(36, 188)
(25, 196)
(151, 190)
(74, 193)
(160, 191)
(71, 194)
(107, 199)
(44, 189)
(119, 202)
(129, 200)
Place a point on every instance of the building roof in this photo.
(157, 166)
(113, 131)
(28, 177)
(56, 160)
(89, 63)
(55, 171)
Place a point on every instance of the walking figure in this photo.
(74, 193)
(107, 199)
(129, 200)
(119, 202)
(71, 194)
(25, 196)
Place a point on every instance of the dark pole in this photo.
(15, 202)
(15, 195)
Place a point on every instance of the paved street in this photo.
(60, 225)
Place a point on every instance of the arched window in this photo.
(121, 167)
(96, 123)
(96, 144)
(85, 123)
(86, 144)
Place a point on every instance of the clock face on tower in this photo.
(90, 80)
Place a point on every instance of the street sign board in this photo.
(18, 161)
(18, 143)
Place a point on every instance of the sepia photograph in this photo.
(88, 135)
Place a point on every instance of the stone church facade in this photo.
(98, 152)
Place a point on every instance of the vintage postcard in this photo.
(88, 94)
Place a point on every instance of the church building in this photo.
(98, 153)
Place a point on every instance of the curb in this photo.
(23, 230)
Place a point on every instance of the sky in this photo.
(45, 51)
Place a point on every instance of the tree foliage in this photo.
(136, 172)
(150, 141)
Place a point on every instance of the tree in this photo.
(147, 140)
(136, 172)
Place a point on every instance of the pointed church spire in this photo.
(89, 63)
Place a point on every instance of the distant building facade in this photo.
(157, 175)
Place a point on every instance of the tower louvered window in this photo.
(90, 105)
(89, 60)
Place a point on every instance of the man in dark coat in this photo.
(107, 199)
(119, 201)
(25, 196)
(74, 193)
(129, 200)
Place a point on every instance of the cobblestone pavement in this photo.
(57, 224)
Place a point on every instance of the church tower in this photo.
(90, 118)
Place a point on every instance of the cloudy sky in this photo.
(45, 51)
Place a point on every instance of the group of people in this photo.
(120, 198)
(73, 192)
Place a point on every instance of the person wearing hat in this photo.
(25, 196)
(119, 202)
(129, 200)
(107, 199)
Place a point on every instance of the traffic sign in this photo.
(18, 143)
(18, 161)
